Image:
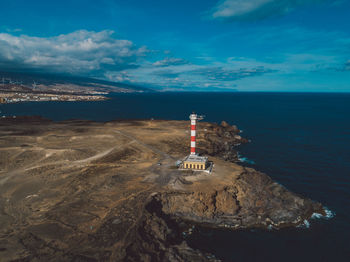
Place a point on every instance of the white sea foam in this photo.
(316, 216)
(329, 214)
(306, 223)
(245, 160)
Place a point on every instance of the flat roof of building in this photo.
(196, 158)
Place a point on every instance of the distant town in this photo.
(28, 87)
(16, 97)
(17, 91)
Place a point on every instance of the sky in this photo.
(183, 45)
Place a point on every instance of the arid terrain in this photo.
(89, 191)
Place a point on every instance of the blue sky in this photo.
(248, 45)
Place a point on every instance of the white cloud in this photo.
(119, 76)
(82, 51)
(198, 77)
(231, 8)
(16, 30)
(255, 9)
(170, 61)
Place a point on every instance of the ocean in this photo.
(301, 140)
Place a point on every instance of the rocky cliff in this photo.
(221, 141)
(250, 200)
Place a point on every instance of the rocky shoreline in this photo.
(255, 201)
(221, 142)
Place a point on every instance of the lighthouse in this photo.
(193, 160)
(194, 117)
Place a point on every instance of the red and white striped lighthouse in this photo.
(194, 117)
(194, 161)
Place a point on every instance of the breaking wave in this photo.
(245, 159)
(305, 224)
(329, 214)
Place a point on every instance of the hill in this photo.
(25, 81)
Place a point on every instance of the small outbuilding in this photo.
(195, 162)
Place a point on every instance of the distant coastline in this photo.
(34, 87)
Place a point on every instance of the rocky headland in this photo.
(87, 191)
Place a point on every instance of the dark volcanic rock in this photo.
(158, 238)
(221, 141)
(229, 128)
(252, 200)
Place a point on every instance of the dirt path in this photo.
(155, 150)
(166, 174)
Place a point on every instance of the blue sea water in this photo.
(301, 140)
